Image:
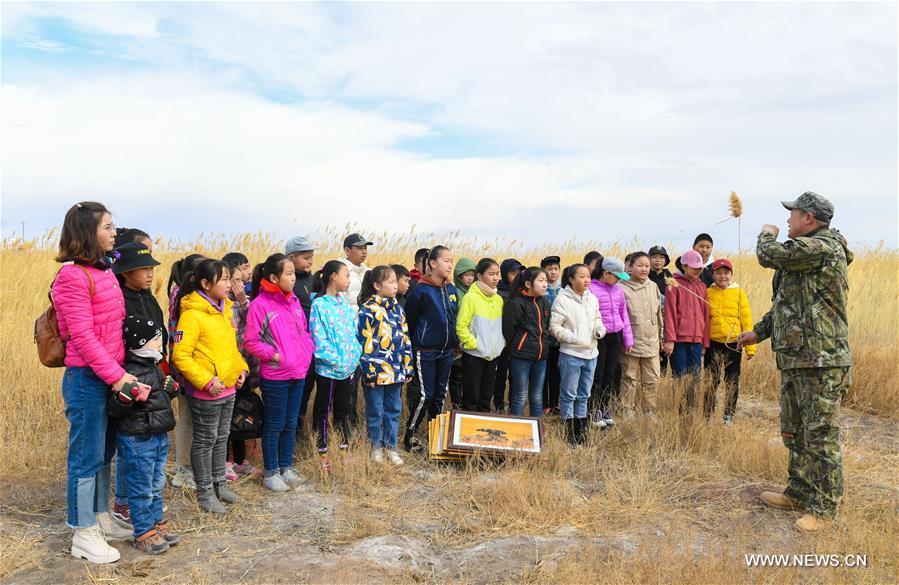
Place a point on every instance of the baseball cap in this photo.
(813, 203)
(298, 244)
(616, 267)
(356, 240)
(692, 258)
(722, 263)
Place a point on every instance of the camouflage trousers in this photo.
(809, 404)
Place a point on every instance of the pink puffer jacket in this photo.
(613, 307)
(91, 326)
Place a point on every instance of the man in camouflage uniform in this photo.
(809, 331)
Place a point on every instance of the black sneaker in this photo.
(412, 445)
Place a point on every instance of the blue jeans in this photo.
(121, 491)
(433, 370)
(143, 462)
(574, 388)
(686, 359)
(281, 400)
(91, 446)
(527, 378)
(383, 406)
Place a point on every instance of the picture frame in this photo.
(498, 433)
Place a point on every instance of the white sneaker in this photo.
(377, 455)
(596, 420)
(112, 529)
(275, 483)
(394, 457)
(292, 478)
(90, 544)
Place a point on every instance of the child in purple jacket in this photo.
(278, 335)
(613, 307)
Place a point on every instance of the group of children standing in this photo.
(582, 341)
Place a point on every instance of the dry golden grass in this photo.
(673, 502)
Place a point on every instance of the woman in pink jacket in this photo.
(90, 310)
(278, 335)
(613, 308)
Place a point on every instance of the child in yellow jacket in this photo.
(730, 315)
(209, 361)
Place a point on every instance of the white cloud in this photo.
(628, 108)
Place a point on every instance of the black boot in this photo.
(583, 425)
(570, 431)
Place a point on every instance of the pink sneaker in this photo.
(230, 475)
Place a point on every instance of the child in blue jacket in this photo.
(332, 323)
(431, 314)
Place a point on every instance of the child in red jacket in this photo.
(687, 323)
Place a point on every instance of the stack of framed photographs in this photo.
(457, 434)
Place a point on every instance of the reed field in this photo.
(674, 501)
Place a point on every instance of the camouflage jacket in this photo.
(807, 323)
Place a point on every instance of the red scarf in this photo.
(269, 286)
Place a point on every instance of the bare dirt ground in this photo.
(427, 523)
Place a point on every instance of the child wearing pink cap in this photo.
(687, 323)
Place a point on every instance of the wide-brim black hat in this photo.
(132, 256)
(660, 250)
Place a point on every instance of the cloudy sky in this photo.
(533, 121)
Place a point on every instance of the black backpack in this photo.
(246, 422)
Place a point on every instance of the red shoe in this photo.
(121, 513)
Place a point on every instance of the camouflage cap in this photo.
(813, 203)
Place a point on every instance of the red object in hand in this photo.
(140, 392)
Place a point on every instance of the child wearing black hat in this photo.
(142, 414)
(659, 274)
(133, 265)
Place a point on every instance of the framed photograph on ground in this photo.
(473, 431)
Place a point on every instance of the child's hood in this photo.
(635, 285)
(462, 266)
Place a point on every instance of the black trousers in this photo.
(722, 358)
(501, 381)
(308, 390)
(553, 378)
(354, 399)
(332, 400)
(456, 383)
(238, 451)
(604, 376)
(479, 382)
